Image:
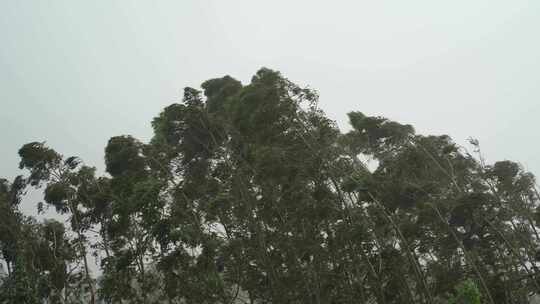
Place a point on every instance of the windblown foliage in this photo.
(250, 194)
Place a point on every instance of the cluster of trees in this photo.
(250, 194)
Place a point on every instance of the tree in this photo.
(66, 185)
(37, 255)
(250, 194)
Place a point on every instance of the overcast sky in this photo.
(75, 73)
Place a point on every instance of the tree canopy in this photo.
(251, 194)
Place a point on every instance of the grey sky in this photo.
(75, 73)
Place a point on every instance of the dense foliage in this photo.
(250, 194)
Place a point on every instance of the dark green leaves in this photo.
(250, 193)
(123, 155)
(39, 160)
(57, 194)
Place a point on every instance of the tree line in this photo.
(250, 194)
